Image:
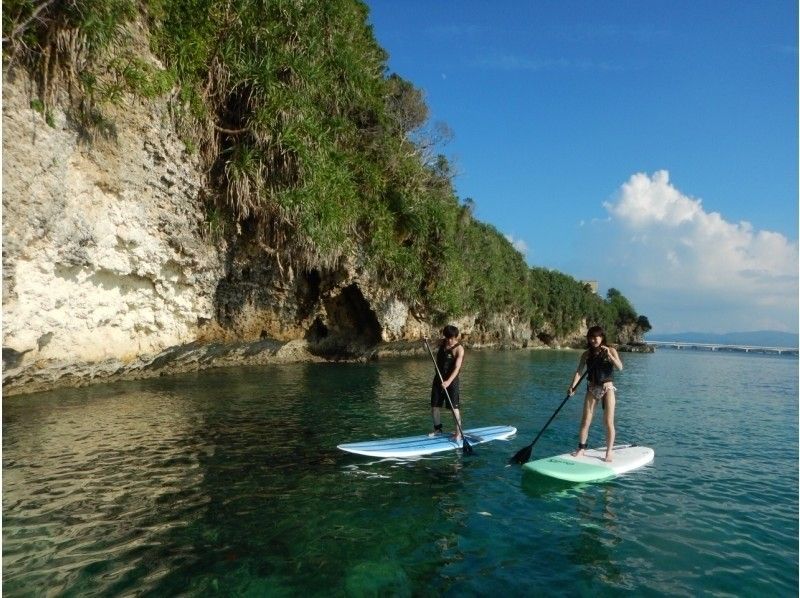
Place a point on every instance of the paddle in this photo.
(464, 444)
(524, 454)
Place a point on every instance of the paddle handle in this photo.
(552, 417)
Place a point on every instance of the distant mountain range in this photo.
(760, 338)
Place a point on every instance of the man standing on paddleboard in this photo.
(449, 358)
(600, 360)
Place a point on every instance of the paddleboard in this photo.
(414, 446)
(591, 467)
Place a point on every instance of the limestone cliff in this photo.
(104, 256)
(109, 269)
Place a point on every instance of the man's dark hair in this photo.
(450, 331)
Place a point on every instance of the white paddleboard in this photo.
(592, 465)
(414, 446)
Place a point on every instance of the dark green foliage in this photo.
(287, 100)
(82, 47)
(405, 104)
(310, 146)
(622, 308)
(643, 324)
(96, 23)
(560, 301)
(563, 302)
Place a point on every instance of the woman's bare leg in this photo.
(586, 421)
(608, 418)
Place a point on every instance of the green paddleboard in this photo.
(592, 467)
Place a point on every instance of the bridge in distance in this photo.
(722, 347)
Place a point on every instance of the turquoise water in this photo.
(228, 483)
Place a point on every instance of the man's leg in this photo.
(436, 414)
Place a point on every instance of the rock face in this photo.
(109, 269)
(631, 339)
(104, 255)
(630, 334)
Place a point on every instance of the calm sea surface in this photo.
(229, 483)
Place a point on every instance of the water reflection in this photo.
(91, 483)
(593, 551)
(587, 515)
(229, 482)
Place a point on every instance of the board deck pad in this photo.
(591, 466)
(415, 446)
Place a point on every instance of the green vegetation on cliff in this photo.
(311, 147)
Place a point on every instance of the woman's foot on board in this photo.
(581, 450)
(609, 457)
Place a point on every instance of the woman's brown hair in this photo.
(595, 331)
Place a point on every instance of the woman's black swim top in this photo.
(600, 369)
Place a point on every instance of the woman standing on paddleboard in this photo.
(448, 363)
(600, 360)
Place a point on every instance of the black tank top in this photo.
(446, 360)
(600, 369)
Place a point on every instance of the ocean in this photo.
(228, 482)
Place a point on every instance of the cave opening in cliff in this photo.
(308, 292)
(317, 332)
(313, 281)
(545, 337)
(350, 317)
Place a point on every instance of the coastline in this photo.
(48, 375)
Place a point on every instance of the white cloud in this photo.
(683, 259)
(518, 244)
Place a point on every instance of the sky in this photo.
(651, 146)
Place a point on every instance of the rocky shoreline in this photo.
(636, 348)
(21, 379)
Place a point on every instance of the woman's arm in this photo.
(614, 357)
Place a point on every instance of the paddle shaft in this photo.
(552, 417)
(446, 394)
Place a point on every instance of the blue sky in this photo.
(651, 146)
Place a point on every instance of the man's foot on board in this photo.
(437, 430)
(609, 457)
(578, 453)
(455, 436)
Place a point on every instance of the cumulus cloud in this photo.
(518, 244)
(670, 248)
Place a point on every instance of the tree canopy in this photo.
(310, 145)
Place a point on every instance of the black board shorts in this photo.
(438, 396)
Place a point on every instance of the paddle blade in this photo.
(523, 455)
(465, 447)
